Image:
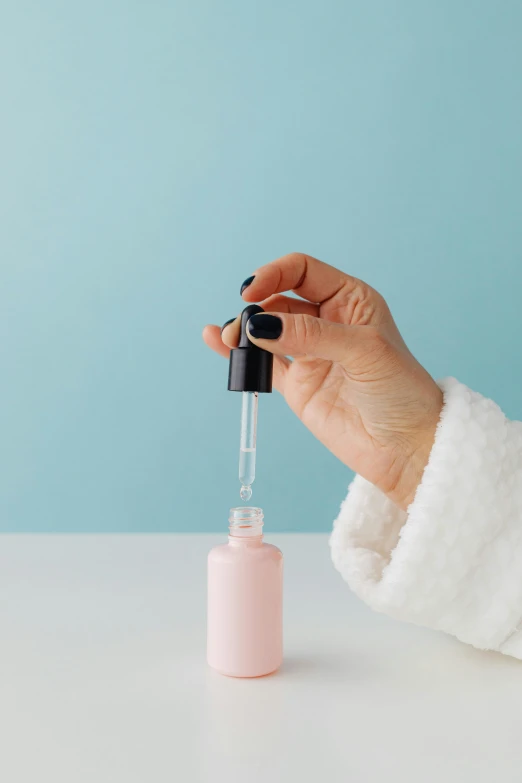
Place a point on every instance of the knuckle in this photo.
(303, 263)
(290, 258)
(365, 305)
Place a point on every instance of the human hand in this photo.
(352, 382)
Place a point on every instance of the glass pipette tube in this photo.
(247, 445)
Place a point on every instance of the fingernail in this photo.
(246, 283)
(227, 323)
(265, 327)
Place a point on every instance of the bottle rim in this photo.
(246, 520)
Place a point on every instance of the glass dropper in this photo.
(247, 445)
(249, 372)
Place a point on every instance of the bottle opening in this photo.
(246, 522)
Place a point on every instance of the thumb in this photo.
(298, 334)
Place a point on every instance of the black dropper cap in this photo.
(250, 368)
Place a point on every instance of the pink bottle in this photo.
(245, 600)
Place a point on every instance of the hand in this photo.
(352, 381)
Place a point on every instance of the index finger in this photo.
(304, 275)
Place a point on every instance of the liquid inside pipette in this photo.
(247, 447)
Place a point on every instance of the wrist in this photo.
(414, 461)
(403, 493)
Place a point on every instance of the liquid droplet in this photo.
(245, 493)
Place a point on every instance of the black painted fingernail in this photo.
(246, 283)
(227, 323)
(265, 326)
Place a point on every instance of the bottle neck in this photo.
(245, 526)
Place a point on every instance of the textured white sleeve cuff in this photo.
(453, 561)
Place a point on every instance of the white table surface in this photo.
(103, 677)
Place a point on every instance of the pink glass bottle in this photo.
(245, 600)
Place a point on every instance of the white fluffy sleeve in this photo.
(453, 561)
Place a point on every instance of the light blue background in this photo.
(154, 154)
